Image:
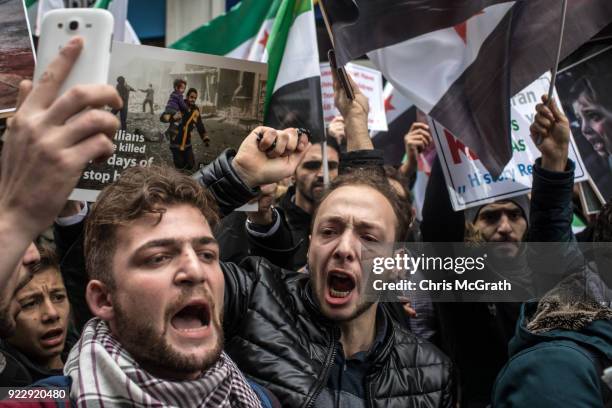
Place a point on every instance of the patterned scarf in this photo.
(105, 375)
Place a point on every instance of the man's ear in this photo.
(99, 300)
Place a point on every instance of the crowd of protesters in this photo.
(159, 294)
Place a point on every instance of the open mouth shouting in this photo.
(598, 144)
(340, 287)
(193, 320)
(52, 338)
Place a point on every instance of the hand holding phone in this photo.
(341, 75)
(50, 140)
(94, 26)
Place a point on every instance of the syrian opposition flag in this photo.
(462, 60)
(401, 113)
(278, 32)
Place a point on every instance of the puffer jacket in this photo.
(277, 336)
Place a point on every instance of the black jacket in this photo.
(295, 226)
(277, 336)
(17, 370)
(476, 335)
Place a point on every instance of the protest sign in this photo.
(158, 126)
(588, 198)
(468, 181)
(370, 83)
(585, 89)
(16, 56)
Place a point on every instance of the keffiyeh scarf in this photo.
(105, 375)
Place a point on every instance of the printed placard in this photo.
(370, 83)
(470, 184)
(215, 107)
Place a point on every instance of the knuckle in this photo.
(78, 92)
(47, 77)
(25, 126)
(62, 161)
(46, 152)
(96, 118)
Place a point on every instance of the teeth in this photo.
(338, 293)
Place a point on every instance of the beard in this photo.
(315, 196)
(150, 348)
(359, 310)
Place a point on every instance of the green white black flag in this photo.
(281, 33)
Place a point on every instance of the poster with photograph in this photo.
(179, 108)
(588, 198)
(585, 90)
(470, 184)
(16, 56)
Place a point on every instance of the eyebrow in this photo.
(34, 293)
(500, 210)
(175, 242)
(337, 219)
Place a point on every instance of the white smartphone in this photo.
(95, 26)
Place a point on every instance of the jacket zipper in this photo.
(368, 391)
(328, 362)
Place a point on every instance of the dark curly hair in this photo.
(139, 191)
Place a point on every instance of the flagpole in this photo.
(326, 22)
(331, 54)
(325, 162)
(556, 67)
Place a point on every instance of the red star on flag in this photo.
(264, 40)
(388, 105)
(461, 29)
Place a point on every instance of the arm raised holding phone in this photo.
(47, 145)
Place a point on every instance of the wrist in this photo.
(262, 218)
(14, 224)
(242, 174)
(556, 161)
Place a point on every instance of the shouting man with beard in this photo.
(156, 291)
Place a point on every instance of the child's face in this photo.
(180, 88)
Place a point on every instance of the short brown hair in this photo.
(48, 259)
(377, 180)
(139, 191)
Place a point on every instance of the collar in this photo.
(377, 345)
(287, 203)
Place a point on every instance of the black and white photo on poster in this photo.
(179, 108)
(585, 89)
